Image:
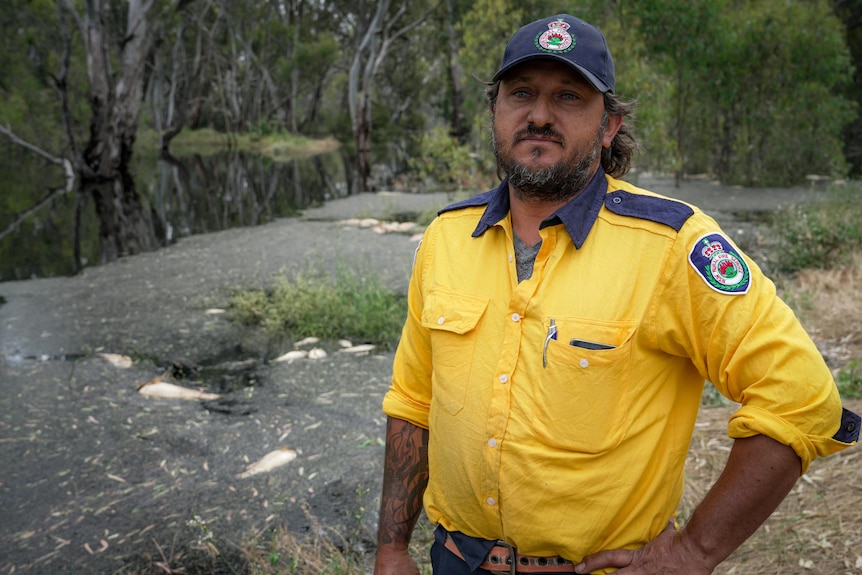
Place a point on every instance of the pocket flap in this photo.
(452, 311)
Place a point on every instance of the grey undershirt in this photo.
(525, 257)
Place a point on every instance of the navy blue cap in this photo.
(566, 39)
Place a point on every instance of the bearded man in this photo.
(560, 331)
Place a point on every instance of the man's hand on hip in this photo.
(670, 552)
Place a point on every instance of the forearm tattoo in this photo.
(405, 476)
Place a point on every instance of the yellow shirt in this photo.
(563, 450)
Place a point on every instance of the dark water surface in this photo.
(182, 196)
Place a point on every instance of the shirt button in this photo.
(492, 442)
(504, 378)
(585, 363)
(511, 257)
(515, 317)
(440, 320)
(490, 501)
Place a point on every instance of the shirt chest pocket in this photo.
(452, 319)
(582, 396)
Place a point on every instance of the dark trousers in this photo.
(444, 562)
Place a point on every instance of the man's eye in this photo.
(520, 93)
(569, 97)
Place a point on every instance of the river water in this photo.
(183, 196)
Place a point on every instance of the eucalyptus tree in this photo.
(112, 41)
(375, 32)
(115, 98)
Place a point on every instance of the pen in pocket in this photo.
(552, 334)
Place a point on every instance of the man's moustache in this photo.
(545, 132)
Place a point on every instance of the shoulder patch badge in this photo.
(719, 264)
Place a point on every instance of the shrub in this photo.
(820, 234)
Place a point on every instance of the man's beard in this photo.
(556, 183)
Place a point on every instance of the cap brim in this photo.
(591, 78)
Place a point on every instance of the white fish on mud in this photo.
(117, 360)
(268, 462)
(316, 353)
(307, 341)
(345, 343)
(156, 387)
(292, 356)
(358, 349)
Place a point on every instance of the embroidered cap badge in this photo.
(556, 38)
(723, 269)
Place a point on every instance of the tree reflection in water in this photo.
(183, 196)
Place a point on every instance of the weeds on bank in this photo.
(324, 551)
(821, 234)
(849, 380)
(353, 305)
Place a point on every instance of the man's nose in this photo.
(541, 113)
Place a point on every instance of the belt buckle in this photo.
(513, 560)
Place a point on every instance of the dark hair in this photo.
(617, 159)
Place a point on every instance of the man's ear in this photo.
(611, 129)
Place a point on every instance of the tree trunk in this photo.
(359, 93)
(369, 55)
(458, 125)
(105, 171)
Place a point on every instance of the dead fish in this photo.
(292, 355)
(117, 360)
(345, 343)
(307, 341)
(316, 353)
(215, 311)
(362, 348)
(156, 387)
(268, 462)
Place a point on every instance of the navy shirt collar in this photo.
(578, 215)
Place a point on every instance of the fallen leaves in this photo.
(103, 546)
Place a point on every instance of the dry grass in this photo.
(828, 302)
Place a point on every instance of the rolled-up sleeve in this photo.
(753, 349)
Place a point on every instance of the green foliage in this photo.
(442, 162)
(353, 306)
(756, 86)
(820, 234)
(849, 380)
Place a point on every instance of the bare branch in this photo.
(33, 209)
(64, 162)
(67, 6)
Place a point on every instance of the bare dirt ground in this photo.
(95, 478)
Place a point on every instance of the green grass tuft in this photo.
(352, 306)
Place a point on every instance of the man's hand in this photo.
(671, 552)
(759, 473)
(394, 563)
